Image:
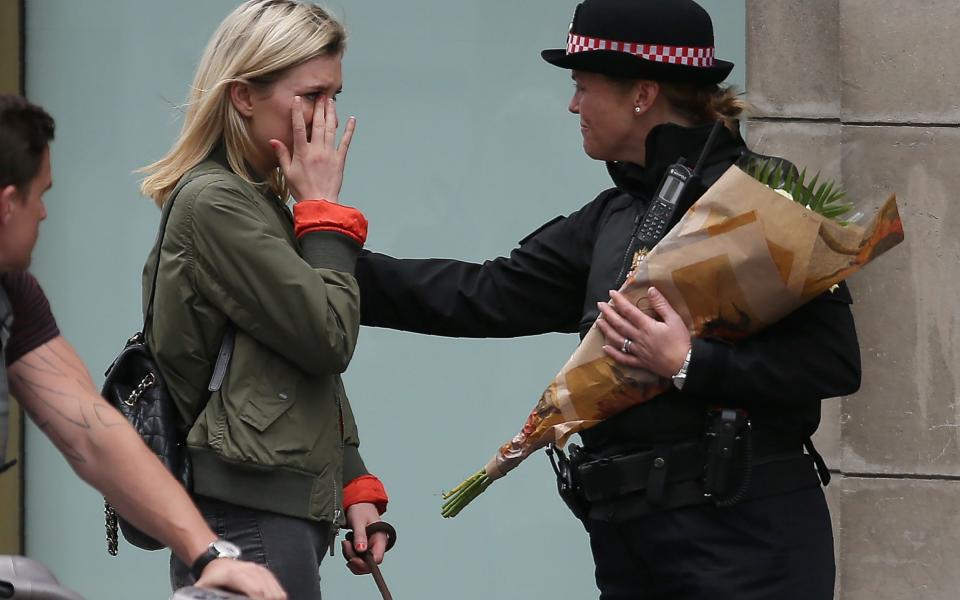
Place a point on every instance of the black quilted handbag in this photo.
(135, 387)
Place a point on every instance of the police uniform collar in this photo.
(666, 144)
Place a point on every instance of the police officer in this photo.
(705, 491)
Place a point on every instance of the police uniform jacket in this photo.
(552, 281)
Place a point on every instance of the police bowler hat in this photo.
(663, 40)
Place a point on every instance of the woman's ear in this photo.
(240, 97)
(645, 93)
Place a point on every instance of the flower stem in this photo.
(463, 494)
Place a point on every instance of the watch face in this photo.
(226, 549)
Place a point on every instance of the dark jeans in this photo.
(777, 547)
(292, 548)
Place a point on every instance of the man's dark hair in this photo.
(25, 131)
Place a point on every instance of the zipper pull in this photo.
(334, 530)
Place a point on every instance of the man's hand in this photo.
(243, 577)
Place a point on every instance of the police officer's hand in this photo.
(659, 346)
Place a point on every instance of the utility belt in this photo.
(731, 464)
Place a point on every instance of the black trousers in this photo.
(776, 547)
(291, 548)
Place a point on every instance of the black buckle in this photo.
(568, 484)
(727, 429)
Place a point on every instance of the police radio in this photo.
(677, 188)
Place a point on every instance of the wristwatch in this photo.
(680, 377)
(218, 548)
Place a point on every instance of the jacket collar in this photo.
(667, 143)
(219, 156)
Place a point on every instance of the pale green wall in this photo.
(464, 145)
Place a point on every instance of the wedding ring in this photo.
(625, 348)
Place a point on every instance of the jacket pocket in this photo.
(274, 413)
(274, 392)
(263, 411)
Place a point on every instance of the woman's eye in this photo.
(312, 96)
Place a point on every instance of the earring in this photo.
(636, 109)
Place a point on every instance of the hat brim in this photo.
(621, 64)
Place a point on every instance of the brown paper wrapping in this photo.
(739, 260)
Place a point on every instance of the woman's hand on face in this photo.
(657, 346)
(358, 517)
(314, 170)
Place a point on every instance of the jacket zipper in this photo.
(334, 523)
(627, 262)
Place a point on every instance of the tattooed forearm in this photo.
(62, 444)
(55, 400)
(72, 364)
(39, 368)
(107, 416)
(36, 361)
(56, 391)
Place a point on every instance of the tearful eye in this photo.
(312, 96)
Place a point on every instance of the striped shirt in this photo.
(33, 323)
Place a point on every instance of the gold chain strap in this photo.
(110, 522)
(147, 381)
(110, 515)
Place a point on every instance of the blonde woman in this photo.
(275, 450)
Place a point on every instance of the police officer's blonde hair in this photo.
(256, 44)
(703, 104)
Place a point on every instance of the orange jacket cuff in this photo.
(321, 215)
(365, 488)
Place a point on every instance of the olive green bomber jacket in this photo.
(279, 434)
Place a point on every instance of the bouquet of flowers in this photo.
(751, 250)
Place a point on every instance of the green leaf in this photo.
(823, 197)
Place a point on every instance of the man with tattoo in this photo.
(47, 377)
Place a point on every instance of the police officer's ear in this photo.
(645, 93)
(8, 196)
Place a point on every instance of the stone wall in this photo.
(869, 92)
(11, 483)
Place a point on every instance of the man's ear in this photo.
(645, 94)
(8, 197)
(240, 98)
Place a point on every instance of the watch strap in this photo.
(211, 554)
(680, 377)
(203, 560)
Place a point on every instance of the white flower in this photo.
(784, 193)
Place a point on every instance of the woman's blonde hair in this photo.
(256, 44)
(705, 103)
